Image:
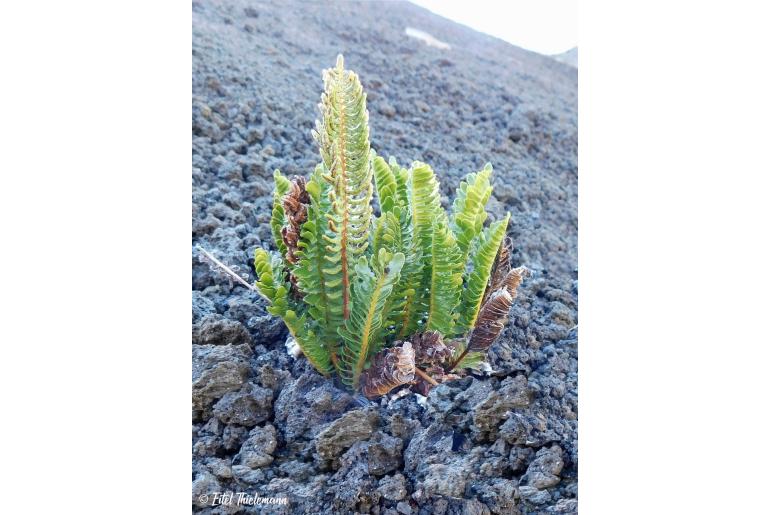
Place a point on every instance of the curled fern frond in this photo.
(390, 369)
(494, 314)
(429, 348)
(500, 268)
(295, 203)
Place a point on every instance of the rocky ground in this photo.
(266, 423)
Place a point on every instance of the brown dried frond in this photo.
(423, 387)
(390, 368)
(429, 348)
(295, 204)
(494, 312)
(500, 268)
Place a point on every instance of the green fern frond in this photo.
(318, 283)
(371, 287)
(401, 175)
(425, 208)
(270, 283)
(393, 234)
(277, 220)
(343, 140)
(483, 251)
(387, 233)
(468, 213)
(446, 278)
(385, 180)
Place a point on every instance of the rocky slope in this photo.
(569, 57)
(264, 422)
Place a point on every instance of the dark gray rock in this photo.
(513, 393)
(233, 437)
(534, 496)
(544, 470)
(217, 370)
(306, 404)
(203, 486)
(215, 330)
(248, 406)
(350, 428)
(445, 480)
(393, 488)
(499, 495)
(257, 451)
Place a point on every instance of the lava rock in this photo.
(445, 480)
(513, 393)
(544, 470)
(257, 450)
(306, 404)
(215, 330)
(350, 428)
(217, 370)
(248, 406)
(393, 488)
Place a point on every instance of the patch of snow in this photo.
(426, 38)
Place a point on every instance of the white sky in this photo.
(544, 26)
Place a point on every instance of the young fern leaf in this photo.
(277, 220)
(270, 282)
(343, 139)
(401, 175)
(446, 279)
(468, 213)
(425, 208)
(371, 288)
(321, 293)
(393, 234)
(484, 250)
(385, 180)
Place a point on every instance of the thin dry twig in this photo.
(229, 271)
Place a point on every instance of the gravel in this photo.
(266, 423)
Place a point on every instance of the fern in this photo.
(270, 283)
(485, 248)
(278, 220)
(424, 206)
(315, 280)
(373, 298)
(468, 213)
(373, 284)
(446, 279)
(343, 140)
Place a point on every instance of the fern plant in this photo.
(406, 296)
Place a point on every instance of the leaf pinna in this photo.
(401, 297)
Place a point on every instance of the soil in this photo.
(263, 421)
